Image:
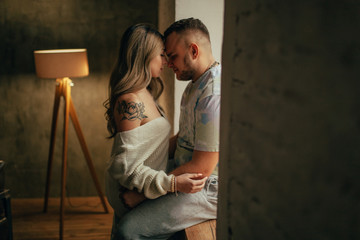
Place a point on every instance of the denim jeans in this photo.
(160, 218)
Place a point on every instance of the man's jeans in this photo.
(162, 217)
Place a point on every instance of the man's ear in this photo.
(194, 50)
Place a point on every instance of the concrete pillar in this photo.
(290, 127)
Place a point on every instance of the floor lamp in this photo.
(62, 64)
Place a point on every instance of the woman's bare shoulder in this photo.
(129, 112)
(128, 97)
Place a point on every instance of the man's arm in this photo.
(132, 198)
(201, 162)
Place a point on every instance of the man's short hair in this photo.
(187, 24)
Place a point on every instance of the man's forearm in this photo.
(201, 162)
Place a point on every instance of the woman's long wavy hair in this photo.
(139, 45)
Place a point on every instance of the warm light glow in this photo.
(60, 63)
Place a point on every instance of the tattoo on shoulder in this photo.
(131, 110)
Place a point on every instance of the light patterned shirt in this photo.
(199, 117)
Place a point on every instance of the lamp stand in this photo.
(63, 88)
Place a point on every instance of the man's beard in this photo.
(188, 73)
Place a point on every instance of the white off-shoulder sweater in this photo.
(138, 161)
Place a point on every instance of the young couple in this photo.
(151, 198)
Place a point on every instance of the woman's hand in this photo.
(190, 182)
(132, 198)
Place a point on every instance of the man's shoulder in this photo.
(217, 85)
(213, 82)
(212, 86)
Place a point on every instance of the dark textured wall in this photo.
(27, 101)
(166, 18)
(290, 143)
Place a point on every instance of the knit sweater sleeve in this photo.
(139, 160)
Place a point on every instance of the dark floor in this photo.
(85, 219)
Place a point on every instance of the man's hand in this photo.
(132, 198)
(190, 182)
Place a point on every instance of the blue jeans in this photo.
(162, 217)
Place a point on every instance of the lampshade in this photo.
(60, 63)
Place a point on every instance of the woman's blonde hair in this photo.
(139, 45)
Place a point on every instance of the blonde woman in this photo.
(138, 125)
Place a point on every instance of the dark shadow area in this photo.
(95, 25)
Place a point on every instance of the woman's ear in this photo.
(194, 50)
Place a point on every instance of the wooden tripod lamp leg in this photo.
(52, 140)
(85, 150)
(66, 93)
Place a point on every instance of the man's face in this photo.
(179, 59)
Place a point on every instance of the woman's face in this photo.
(157, 63)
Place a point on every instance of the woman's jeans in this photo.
(162, 217)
